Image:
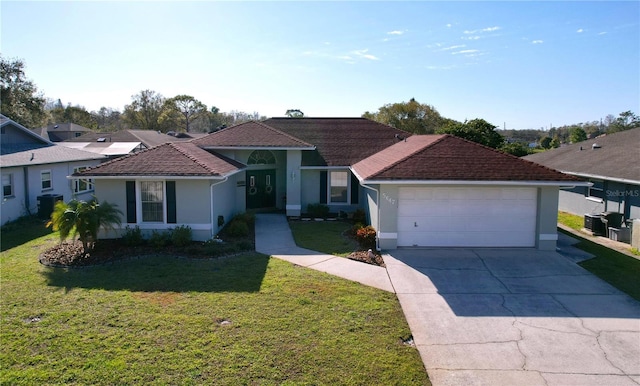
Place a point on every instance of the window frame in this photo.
(10, 185)
(78, 181)
(331, 186)
(42, 180)
(162, 202)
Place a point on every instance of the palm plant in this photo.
(83, 219)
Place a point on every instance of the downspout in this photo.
(25, 172)
(378, 216)
(212, 210)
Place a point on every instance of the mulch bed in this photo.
(372, 258)
(70, 254)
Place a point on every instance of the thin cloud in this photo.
(580, 31)
(396, 32)
(474, 37)
(449, 25)
(477, 31)
(465, 52)
(363, 54)
(602, 33)
(491, 29)
(453, 47)
(537, 42)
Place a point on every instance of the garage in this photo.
(467, 216)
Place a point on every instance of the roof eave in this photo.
(601, 177)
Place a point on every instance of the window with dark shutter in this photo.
(171, 202)
(323, 187)
(131, 202)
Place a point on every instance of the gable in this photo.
(252, 135)
(15, 137)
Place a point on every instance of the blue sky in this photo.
(523, 64)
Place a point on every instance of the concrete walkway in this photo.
(274, 238)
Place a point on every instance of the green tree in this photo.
(20, 99)
(625, 121)
(108, 119)
(145, 110)
(409, 116)
(555, 142)
(83, 219)
(294, 113)
(517, 149)
(188, 107)
(545, 142)
(577, 134)
(73, 114)
(476, 130)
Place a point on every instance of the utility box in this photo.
(593, 222)
(46, 203)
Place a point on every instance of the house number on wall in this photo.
(388, 198)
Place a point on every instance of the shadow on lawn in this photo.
(22, 231)
(243, 273)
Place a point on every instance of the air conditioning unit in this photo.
(593, 223)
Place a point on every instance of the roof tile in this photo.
(251, 134)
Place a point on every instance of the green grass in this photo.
(324, 236)
(617, 269)
(571, 220)
(158, 320)
(21, 231)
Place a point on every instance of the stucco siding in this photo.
(547, 221)
(618, 197)
(310, 188)
(14, 207)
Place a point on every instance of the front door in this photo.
(261, 189)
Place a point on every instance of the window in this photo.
(45, 179)
(261, 157)
(339, 184)
(597, 190)
(7, 185)
(77, 134)
(82, 185)
(152, 199)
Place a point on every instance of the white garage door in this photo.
(467, 217)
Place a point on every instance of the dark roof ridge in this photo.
(271, 128)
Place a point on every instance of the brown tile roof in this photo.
(617, 157)
(449, 158)
(170, 159)
(251, 134)
(339, 141)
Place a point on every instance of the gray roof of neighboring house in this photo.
(149, 138)
(615, 157)
(47, 155)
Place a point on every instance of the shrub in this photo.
(237, 228)
(318, 210)
(159, 240)
(181, 236)
(132, 237)
(248, 218)
(359, 216)
(366, 237)
(355, 228)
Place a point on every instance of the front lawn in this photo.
(240, 320)
(324, 236)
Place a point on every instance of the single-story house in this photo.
(610, 162)
(418, 190)
(34, 169)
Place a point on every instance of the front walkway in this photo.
(274, 238)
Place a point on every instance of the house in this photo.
(34, 168)
(420, 190)
(58, 132)
(610, 162)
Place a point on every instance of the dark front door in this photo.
(261, 189)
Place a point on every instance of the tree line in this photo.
(22, 102)
(149, 110)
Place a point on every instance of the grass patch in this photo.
(21, 231)
(617, 269)
(324, 236)
(242, 320)
(571, 220)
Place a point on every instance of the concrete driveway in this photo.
(515, 317)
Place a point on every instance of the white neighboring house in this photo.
(33, 167)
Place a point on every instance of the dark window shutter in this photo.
(323, 187)
(355, 189)
(171, 202)
(131, 202)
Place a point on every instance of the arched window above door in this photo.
(261, 157)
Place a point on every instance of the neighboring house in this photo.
(610, 162)
(32, 166)
(431, 190)
(59, 132)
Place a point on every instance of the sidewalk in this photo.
(274, 238)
